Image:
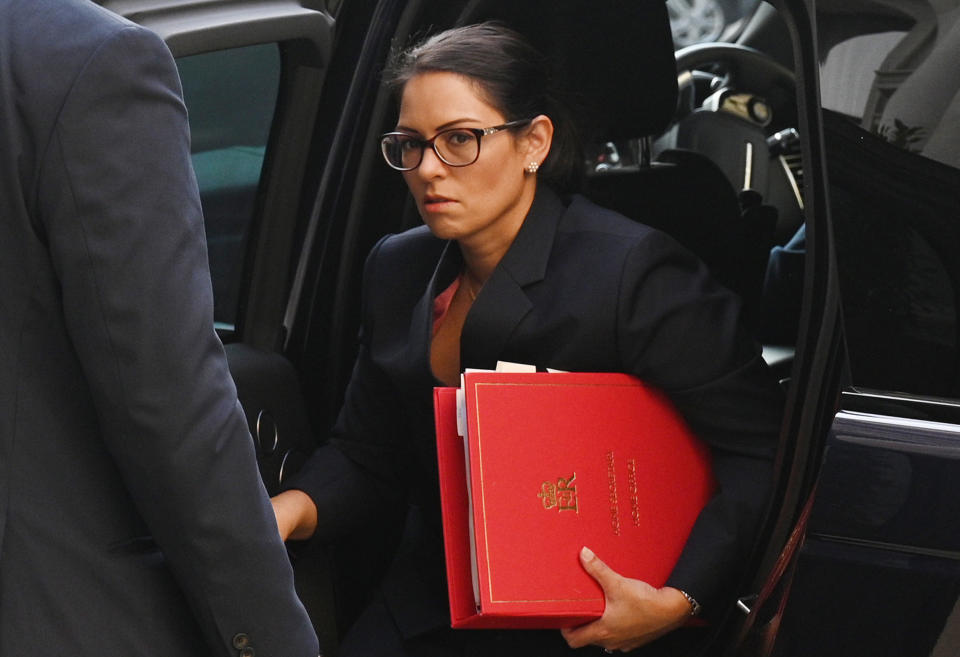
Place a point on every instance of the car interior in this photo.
(679, 190)
(713, 161)
(709, 156)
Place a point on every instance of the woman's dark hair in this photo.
(511, 75)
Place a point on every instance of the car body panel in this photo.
(878, 573)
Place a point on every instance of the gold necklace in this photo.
(469, 286)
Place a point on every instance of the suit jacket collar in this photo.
(421, 325)
(502, 303)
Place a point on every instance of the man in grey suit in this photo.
(132, 518)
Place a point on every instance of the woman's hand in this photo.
(296, 514)
(635, 614)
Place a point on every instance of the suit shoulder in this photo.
(611, 241)
(408, 248)
(81, 28)
(399, 258)
(48, 67)
(584, 217)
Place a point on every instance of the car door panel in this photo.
(269, 391)
(879, 572)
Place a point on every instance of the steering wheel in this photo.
(744, 69)
(758, 101)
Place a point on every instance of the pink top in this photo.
(442, 303)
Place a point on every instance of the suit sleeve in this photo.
(360, 468)
(122, 215)
(683, 332)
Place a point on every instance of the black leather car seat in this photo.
(687, 195)
(619, 63)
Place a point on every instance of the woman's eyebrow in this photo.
(448, 124)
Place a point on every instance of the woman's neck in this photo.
(482, 252)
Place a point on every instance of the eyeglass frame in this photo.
(423, 143)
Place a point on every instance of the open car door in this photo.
(877, 570)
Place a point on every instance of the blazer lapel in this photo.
(502, 303)
(421, 323)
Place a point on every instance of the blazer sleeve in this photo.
(681, 331)
(120, 209)
(361, 467)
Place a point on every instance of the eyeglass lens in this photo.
(456, 147)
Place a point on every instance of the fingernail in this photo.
(586, 553)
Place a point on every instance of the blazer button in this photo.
(247, 652)
(241, 641)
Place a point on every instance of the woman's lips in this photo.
(436, 203)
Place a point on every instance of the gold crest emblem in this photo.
(561, 495)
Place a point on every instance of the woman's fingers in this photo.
(635, 612)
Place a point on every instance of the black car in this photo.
(813, 163)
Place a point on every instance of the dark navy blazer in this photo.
(119, 423)
(581, 289)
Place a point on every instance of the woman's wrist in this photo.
(680, 604)
(296, 515)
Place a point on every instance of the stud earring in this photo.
(532, 167)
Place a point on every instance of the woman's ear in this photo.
(537, 138)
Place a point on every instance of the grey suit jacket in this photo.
(120, 429)
(581, 289)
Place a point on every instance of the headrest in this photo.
(615, 55)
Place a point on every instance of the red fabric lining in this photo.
(442, 304)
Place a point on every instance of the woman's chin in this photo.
(445, 228)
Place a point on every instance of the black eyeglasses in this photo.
(457, 147)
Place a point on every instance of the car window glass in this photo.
(231, 98)
(899, 83)
(893, 148)
(848, 71)
(700, 21)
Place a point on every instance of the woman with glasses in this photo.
(511, 266)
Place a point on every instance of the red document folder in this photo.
(558, 461)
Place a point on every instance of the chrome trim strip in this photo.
(908, 423)
(904, 435)
(934, 401)
(793, 180)
(282, 475)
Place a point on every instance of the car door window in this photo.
(892, 141)
(885, 524)
(231, 97)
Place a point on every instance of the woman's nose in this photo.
(430, 163)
